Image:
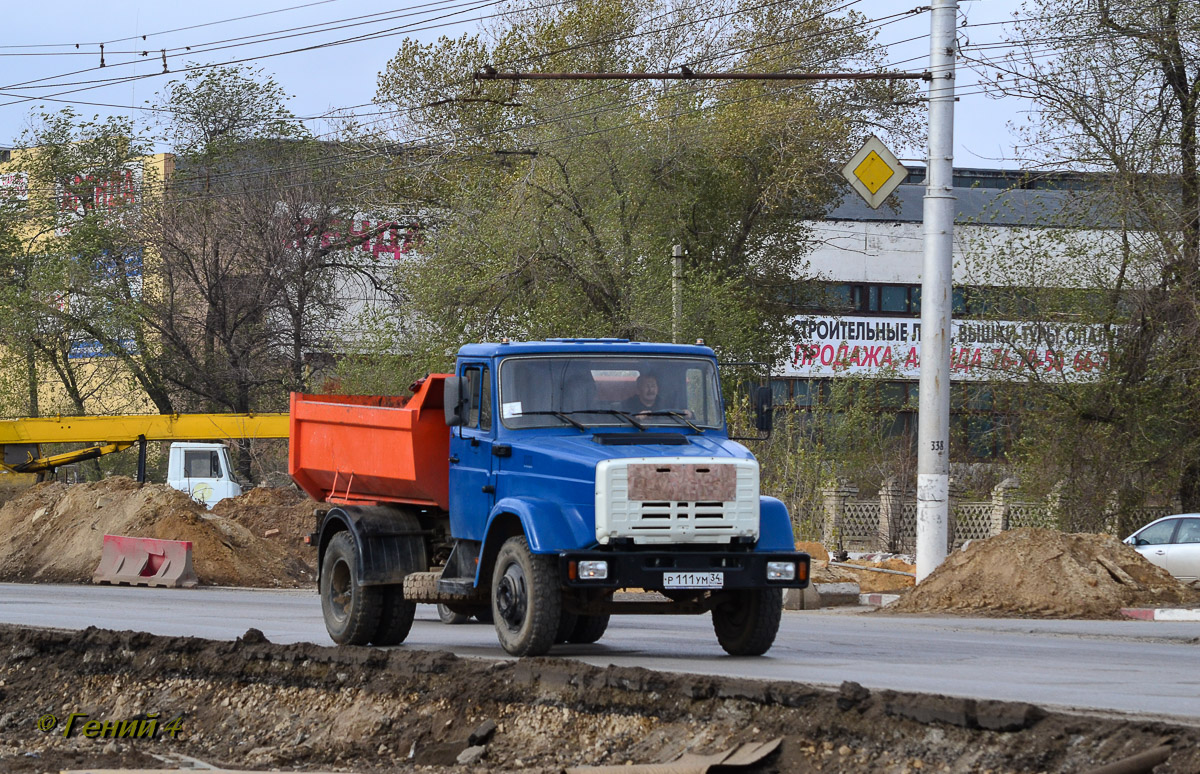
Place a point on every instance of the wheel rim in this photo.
(512, 596)
(340, 591)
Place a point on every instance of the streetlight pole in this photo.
(933, 428)
(677, 294)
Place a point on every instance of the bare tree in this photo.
(1116, 89)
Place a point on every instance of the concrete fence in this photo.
(889, 522)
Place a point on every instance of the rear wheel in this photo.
(395, 616)
(588, 629)
(449, 616)
(351, 611)
(566, 625)
(526, 603)
(746, 622)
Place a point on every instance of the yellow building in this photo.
(51, 209)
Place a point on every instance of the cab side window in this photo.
(479, 386)
(485, 400)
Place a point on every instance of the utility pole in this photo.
(677, 294)
(933, 428)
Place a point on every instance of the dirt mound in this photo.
(53, 533)
(282, 516)
(1040, 573)
(13, 484)
(816, 550)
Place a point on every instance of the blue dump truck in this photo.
(537, 484)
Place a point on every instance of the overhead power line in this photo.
(687, 75)
(167, 32)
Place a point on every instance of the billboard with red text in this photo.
(890, 347)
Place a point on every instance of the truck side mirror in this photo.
(764, 415)
(454, 401)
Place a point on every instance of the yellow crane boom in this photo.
(151, 427)
(115, 433)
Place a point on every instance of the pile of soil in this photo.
(280, 515)
(253, 704)
(13, 484)
(1041, 573)
(53, 532)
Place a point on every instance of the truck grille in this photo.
(651, 521)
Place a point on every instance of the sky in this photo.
(38, 54)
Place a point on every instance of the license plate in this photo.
(693, 580)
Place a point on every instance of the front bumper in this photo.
(645, 569)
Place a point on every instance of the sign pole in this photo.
(933, 428)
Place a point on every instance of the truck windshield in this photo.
(596, 391)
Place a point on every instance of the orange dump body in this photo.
(370, 449)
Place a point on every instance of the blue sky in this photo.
(337, 76)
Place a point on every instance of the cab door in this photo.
(472, 475)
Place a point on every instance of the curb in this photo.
(1162, 613)
(878, 600)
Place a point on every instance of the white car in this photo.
(1173, 543)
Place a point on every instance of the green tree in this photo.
(551, 208)
(214, 112)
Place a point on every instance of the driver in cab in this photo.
(646, 399)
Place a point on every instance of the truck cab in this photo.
(202, 471)
(575, 468)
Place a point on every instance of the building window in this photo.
(873, 298)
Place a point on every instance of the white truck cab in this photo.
(202, 471)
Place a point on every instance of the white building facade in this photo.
(1013, 230)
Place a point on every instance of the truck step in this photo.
(423, 587)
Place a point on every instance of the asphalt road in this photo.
(1144, 667)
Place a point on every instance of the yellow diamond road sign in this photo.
(874, 172)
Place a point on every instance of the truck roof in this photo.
(583, 346)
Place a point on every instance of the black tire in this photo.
(451, 617)
(526, 603)
(588, 629)
(566, 625)
(351, 611)
(747, 621)
(395, 616)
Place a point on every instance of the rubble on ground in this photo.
(254, 704)
(827, 570)
(1043, 573)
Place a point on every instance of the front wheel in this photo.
(351, 611)
(746, 622)
(526, 603)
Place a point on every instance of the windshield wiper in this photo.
(675, 415)
(560, 414)
(613, 412)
